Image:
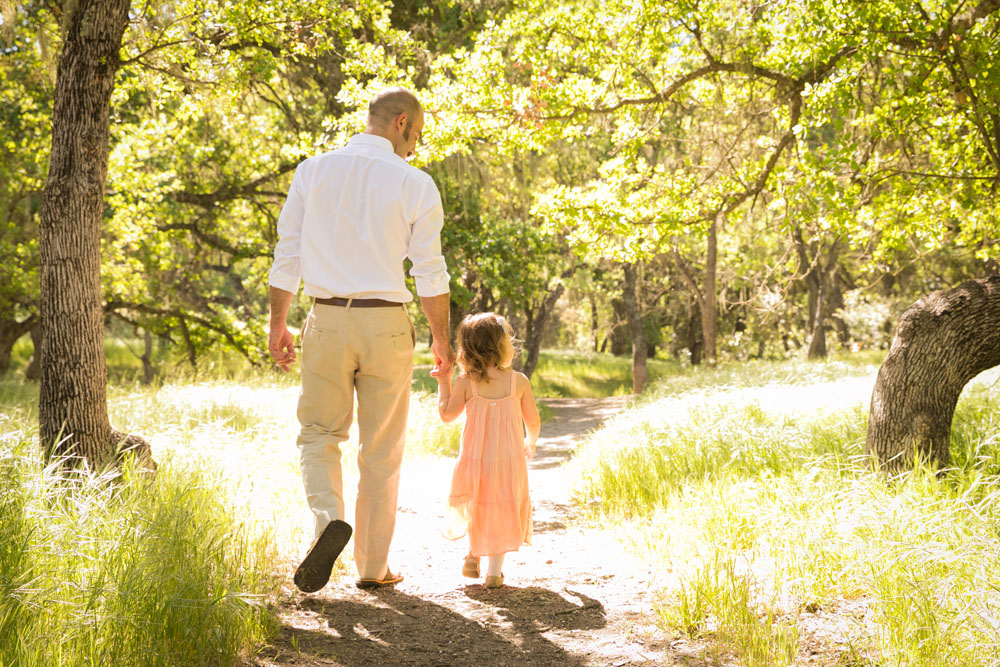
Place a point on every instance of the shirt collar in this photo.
(371, 140)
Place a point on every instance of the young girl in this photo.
(489, 488)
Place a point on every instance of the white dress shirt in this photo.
(352, 215)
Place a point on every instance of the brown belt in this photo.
(359, 303)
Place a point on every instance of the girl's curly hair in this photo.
(480, 343)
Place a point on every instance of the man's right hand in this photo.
(444, 359)
(281, 345)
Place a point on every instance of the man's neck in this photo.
(379, 132)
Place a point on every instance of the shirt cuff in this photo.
(284, 281)
(434, 285)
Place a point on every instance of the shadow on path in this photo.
(393, 628)
(535, 609)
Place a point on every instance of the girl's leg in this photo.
(495, 565)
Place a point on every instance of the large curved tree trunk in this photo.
(942, 341)
(72, 406)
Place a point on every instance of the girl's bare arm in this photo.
(451, 398)
(529, 411)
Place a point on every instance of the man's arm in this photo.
(285, 274)
(280, 341)
(437, 309)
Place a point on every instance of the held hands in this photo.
(444, 360)
(281, 345)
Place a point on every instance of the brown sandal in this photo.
(389, 579)
(470, 568)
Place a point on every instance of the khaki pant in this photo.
(370, 351)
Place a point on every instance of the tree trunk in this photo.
(147, 357)
(594, 331)
(817, 342)
(72, 405)
(942, 341)
(34, 369)
(819, 274)
(541, 319)
(620, 338)
(693, 340)
(709, 300)
(836, 305)
(10, 332)
(705, 295)
(534, 342)
(640, 373)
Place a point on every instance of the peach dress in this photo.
(489, 487)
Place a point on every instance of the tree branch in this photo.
(685, 272)
(210, 199)
(212, 240)
(185, 317)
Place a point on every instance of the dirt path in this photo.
(572, 598)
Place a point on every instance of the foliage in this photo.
(216, 105)
(26, 90)
(867, 129)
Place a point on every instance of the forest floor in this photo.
(572, 598)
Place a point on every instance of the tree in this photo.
(640, 374)
(72, 407)
(942, 341)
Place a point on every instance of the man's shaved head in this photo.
(389, 104)
(396, 115)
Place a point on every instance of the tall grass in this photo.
(174, 569)
(124, 568)
(753, 501)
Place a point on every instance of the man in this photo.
(351, 217)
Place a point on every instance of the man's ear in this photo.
(401, 122)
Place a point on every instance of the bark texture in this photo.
(942, 341)
(73, 416)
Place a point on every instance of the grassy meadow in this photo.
(742, 486)
(175, 569)
(746, 489)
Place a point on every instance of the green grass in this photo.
(125, 569)
(745, 488)
(178, 569)
(741, 483)
(570, 374)
(566, 374)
